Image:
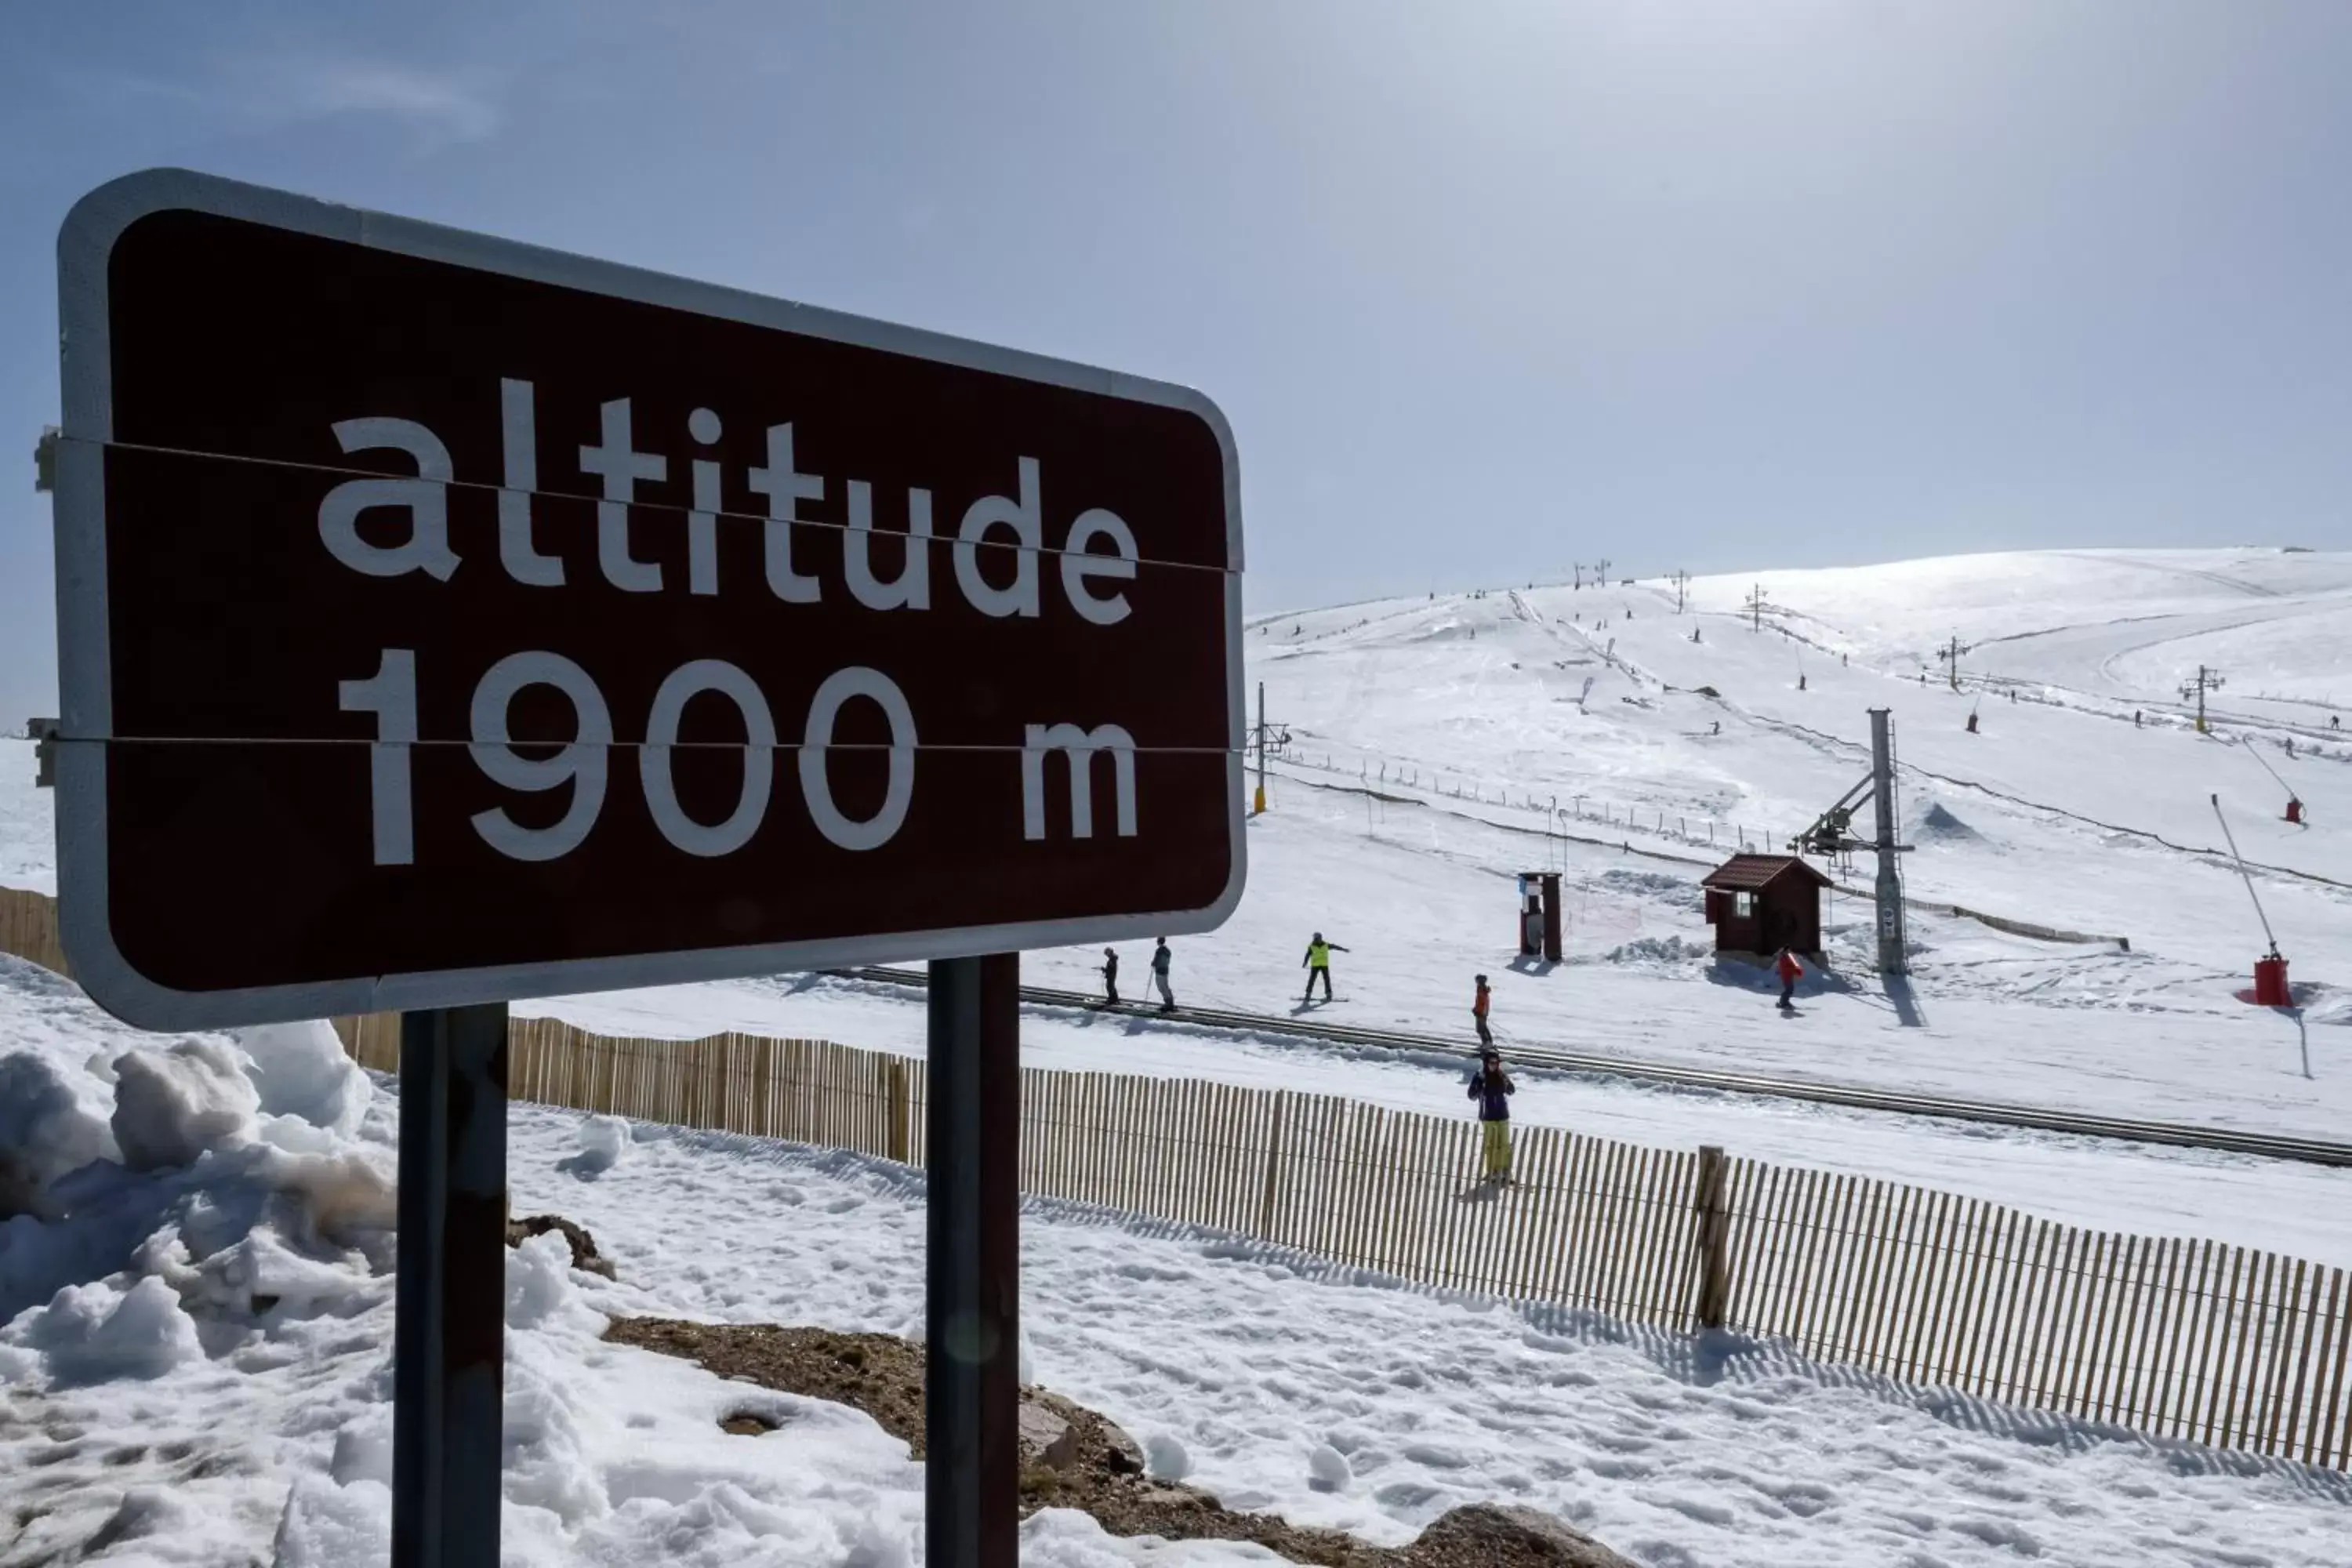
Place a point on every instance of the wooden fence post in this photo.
(894, 1129)
(1714, 1238)
(1273, 1166)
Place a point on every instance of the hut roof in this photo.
(1748, 873)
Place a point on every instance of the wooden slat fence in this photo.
(2221, 1345)
(29, 929)
(2193, 1340)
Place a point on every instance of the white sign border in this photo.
(85, 245)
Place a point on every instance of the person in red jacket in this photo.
(1478, 1004)
(1790, 971)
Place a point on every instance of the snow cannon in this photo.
(2270, 982)
(2293, 810)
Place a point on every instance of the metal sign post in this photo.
(971, 1408)
(449, 1328)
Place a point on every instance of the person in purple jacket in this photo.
(1492, 1088)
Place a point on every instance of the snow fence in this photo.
(2187, 1339)
(2195, 1340)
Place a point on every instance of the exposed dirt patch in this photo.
(1072, 1457)
(584, 1255)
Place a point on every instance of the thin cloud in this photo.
(279, 89)
(441, 106)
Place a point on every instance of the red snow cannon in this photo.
(2293, 809)
(2270, 983)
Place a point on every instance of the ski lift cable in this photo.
(2232, 840)
(2248, 739)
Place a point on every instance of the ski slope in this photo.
(2059, 812)
(196, 1367)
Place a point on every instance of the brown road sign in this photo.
(446, 620)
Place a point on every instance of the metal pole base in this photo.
(972, 1407)
(448, 1335)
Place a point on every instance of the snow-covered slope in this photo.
(161, 1400)
(214, 1387)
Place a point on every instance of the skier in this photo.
(1318, 965)
(1718, 730)
(1801, 683)
(1492, 1088)
(1160, 959)
(1790, 971)
(1478, 1004)
(1110, 978)
(2334, 722)
(1972, 722)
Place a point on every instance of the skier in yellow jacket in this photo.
(1317, 964)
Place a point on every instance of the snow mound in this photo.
(1659, 950)
(604, 1140)
(301, 1071)
(1937, 823)
(90, 1333)
(1164, 1457)
(1327, 1469)
(46, 1129)
(1656, 884)
(330, 1526)
(171, 1106)
(227, 1193)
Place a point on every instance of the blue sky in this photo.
(1484, 290)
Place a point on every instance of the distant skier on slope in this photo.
(1790, 971)
(1492, 1088)
(1318, 965)
(1160, 959)
(1110, 978)
(1480, 1002)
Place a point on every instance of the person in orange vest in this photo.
(1478, 1004)
(1790, 971)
